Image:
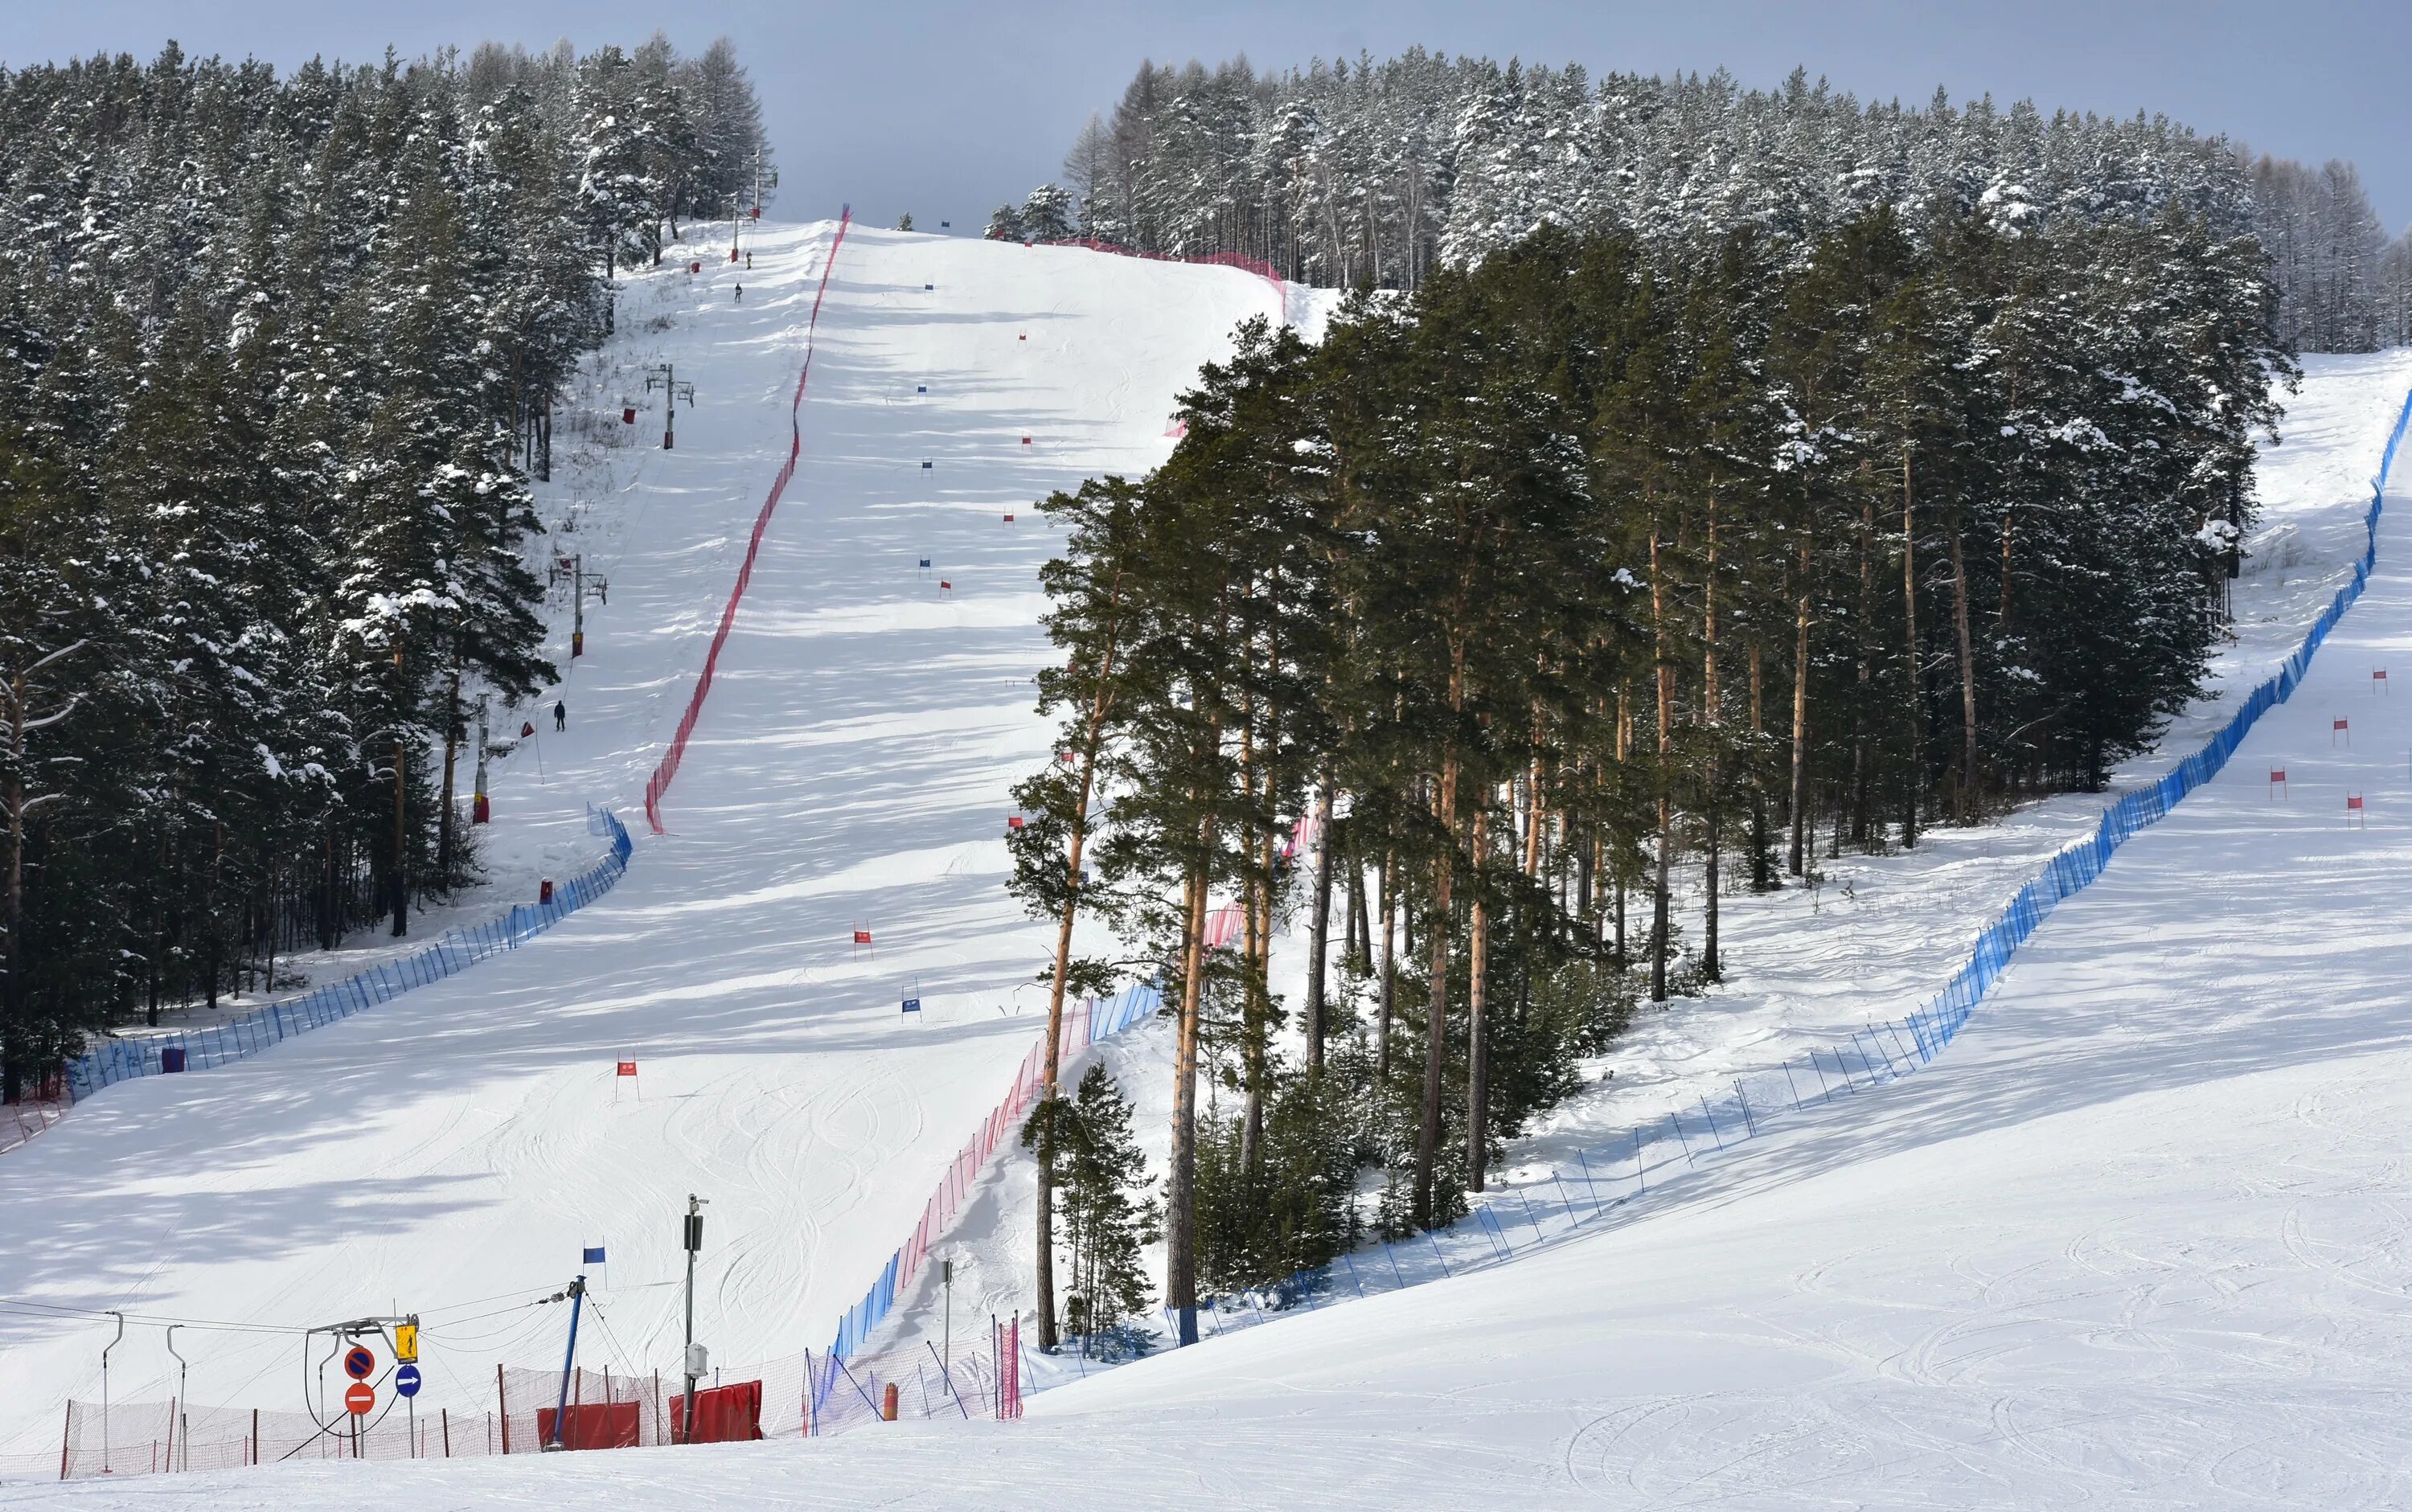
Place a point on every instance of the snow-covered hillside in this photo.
(850, 772)
(2131, 1242)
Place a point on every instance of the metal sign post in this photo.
(692, 1236)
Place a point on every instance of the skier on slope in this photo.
(741, 293)
(560, 715)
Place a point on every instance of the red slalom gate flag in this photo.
(945, 584)
(863, 936)
(1008, 520)
(627, 1068)
(1014, 822)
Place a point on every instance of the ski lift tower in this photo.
(665, 377)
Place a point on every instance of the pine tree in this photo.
(1104, 1219)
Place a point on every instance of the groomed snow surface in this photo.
(2134, 1240)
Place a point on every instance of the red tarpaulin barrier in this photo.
(660, 782)
(723, 1415)
(602, 1425)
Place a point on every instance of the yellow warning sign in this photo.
(405, 1342)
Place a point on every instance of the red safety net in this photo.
(723, 1415)
(660, 783)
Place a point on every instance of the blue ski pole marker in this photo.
(405, 1380)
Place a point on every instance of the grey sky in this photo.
(947, 107)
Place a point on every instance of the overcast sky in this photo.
(945, 107)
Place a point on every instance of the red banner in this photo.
(729, 1414)
(600, 1425)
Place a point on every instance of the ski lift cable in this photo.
(34, 1309)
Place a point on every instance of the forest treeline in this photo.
(1578, 571)
(1379, 171)
(277, 363)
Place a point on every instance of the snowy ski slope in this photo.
(850, 770)
(2135, 1241)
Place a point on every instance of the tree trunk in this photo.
(401, 841)
(1762, 873)
(1800, 721)
(1477, 950)
(1360, 941)
(452, 756)
(1861, 782)
(1710, 968)
(1659, 922)
(1390, 963)
(1436, 1011)
(1321, 930)
(12, 906)
(1180, 1177)
(1963, 801)
(1254, 948)
(1909, 663)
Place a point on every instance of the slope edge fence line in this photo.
(455, 950)
(1611, 1176)
(1257, 266)
(660, 783)
(1093, 1021)
(1884, 1050)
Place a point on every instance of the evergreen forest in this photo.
(277, 363)
(1583, 586)
(1380, 171)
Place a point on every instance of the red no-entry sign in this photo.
(359, 1399)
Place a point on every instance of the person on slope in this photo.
(560, 715)
(741, 293)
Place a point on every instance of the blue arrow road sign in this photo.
(405, 1380)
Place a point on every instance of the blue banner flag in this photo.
(912, 1005)
(593, 1255)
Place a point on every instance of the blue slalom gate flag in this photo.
(925, 562)
(912, 1005)
(593, 1255)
